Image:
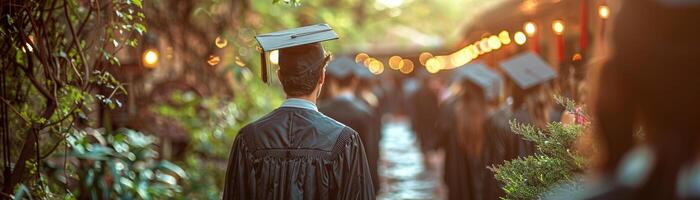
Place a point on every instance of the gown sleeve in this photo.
(354, 180)
(240, 174)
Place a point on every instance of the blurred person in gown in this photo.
(650, 80)
(295, 152)
(461, 128)
(345, 107)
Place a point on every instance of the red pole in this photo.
(583, 42)
(560, 48)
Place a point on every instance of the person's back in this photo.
(295, 152)
(353, 113)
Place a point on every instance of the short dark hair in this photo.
(302, 84)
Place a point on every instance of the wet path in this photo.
(403, 171)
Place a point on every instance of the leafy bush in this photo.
(123, 165)
(555, 162)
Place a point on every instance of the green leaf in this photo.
(173, 168)
(137, 3)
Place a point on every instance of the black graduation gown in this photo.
(355, 114)
(501, 144)
(426, 107)
(457, 172)
(296, 153)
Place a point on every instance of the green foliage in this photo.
(555, 162)
(123, 165)
(212, 125)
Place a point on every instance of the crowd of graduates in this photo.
(648, 80)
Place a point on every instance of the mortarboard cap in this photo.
(483, 77)
(363, 73)
(527, 70)
(300, 49)
(342, 67)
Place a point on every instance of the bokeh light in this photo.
(275, 57)
(423, 58)
(603, 11)
(407, 67)
(494, 42)
(213, 60)
(395, 62)
(504, 37)
(530, 28)
(376, 67)
(150, 58)
(558, 26)
(220, 42)
(433, 65)
(484, 45)
(520, 38)
(361, 57)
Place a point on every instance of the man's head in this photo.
(302, 69)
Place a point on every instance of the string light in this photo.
(484, 45)
(520, 38)
(558, 26)
(150, 58)
(504, 37)
(494, 42)
(407, 67)
(433, 65)
(395, 62)
(530, 28)
(361, 57)
(603, 11)
(423, 58)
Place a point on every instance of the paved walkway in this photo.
(404, 172)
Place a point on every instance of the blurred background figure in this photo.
(345, 107)
(649, 81)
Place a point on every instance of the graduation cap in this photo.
(528, 70)
(342, 67)
(483, 77)
(299, 48)
(363, 73)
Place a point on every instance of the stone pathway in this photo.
(404, 172)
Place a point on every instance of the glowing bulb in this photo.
(520, 38)
(484, 45)
(395, 62)
(433, 65)
(494, 42)
(375, 66)
(361, 57)
(530, 28)
(150, 58)
(407, 67)
(213, 60)
(558, 26)
(474, 51)
(603, 11)
(220, 42)
(504, 37)
(423, 58)
(275, 57)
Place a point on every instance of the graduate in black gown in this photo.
(295, 152)
(461, 126)
(346, 108)
(528, 74)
